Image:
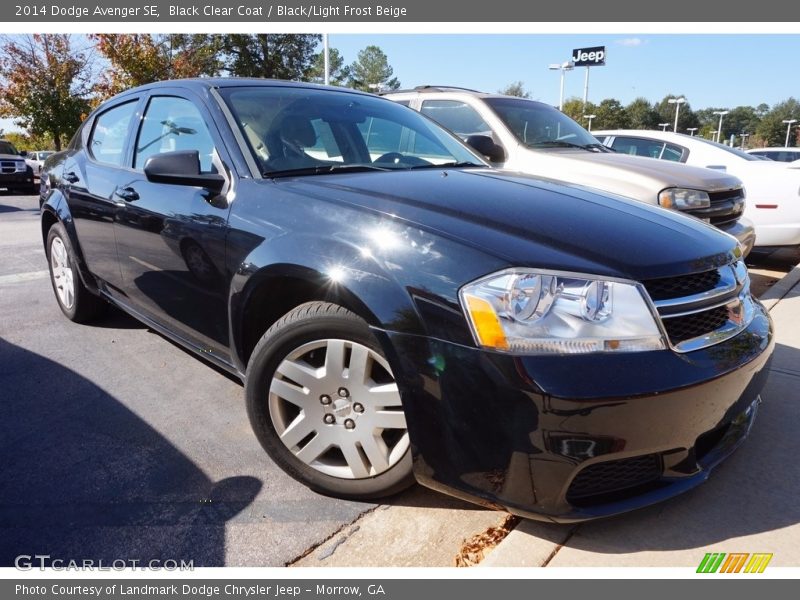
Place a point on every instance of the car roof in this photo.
(774, 149)
(207, 83)
(449, 89)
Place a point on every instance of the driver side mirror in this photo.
(23, 153)
(486, 146)
(181, 168)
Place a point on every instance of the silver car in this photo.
(532, 137)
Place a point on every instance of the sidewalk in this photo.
(748, 505)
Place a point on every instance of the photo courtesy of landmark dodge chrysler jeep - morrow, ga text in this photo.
(536, 138)
(399, 311)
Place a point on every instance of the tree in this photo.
(279, 56)
(772, 130)
(371, 71)
(641, 114)
(575, 109)
(666, 113)
(338, 72)
(515, 89)
(610, 114)
(45, 84)
(139, 58)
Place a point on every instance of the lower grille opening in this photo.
(706, 442)
(695, 325)
(615, 480)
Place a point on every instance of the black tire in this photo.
(309, 323)
(85, 306)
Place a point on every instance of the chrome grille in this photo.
(8, 166)
(702, 309)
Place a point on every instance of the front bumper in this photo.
(570, 438)
(16, 180)
(744, 231)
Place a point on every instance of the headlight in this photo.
(528, 311)
(21, 166)
(683, 199)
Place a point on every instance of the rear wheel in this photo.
(324, 404)
(74, 299)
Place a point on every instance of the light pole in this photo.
(663, 126)
(677, 102)
(691, 131)
(721, 114)
(590, 117)
(326, 55)
(563, 67)
(744, 136)
(788, 128)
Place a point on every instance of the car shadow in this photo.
(755, 491)
(86, 478)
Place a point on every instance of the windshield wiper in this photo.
(563, 144)
(448, 165)
(324, 169)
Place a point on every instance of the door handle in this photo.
(127, 193)
(71, 177)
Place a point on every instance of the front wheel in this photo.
(325, 406)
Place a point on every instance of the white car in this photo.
(531, 137)
(35, 160)
(773, 190)
(784, 155)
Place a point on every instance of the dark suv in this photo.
(15, 174)
(410, 314)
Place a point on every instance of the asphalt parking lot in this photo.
(118, 444)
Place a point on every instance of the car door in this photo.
(90, 179)
(171, 236)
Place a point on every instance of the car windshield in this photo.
(7, 148)
(294, 131)
(44, 155)
(539, 125)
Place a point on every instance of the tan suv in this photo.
(532, 137)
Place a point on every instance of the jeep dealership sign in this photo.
(589, 57)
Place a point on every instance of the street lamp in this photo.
(788, 128)
(677, 102)
(563, 67)
(691, 131)
(590, 117)
(663, 126)
(721, 114)
(744, 136)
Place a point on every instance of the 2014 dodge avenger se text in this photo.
(397, 310)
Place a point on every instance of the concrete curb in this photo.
(781, 289)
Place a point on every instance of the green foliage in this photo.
(45, 84)
(24, 141)
(771, 131)
(515, 89)
(338, 72)
(610, 114)
(573, 108)
(272, 55)
(641, 115)
(666, 113)
(371, 71)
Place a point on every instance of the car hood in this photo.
(11, 157)
(633, 176)
(529, 221)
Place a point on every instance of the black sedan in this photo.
(399, 311)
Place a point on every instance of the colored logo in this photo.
(734, 562)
